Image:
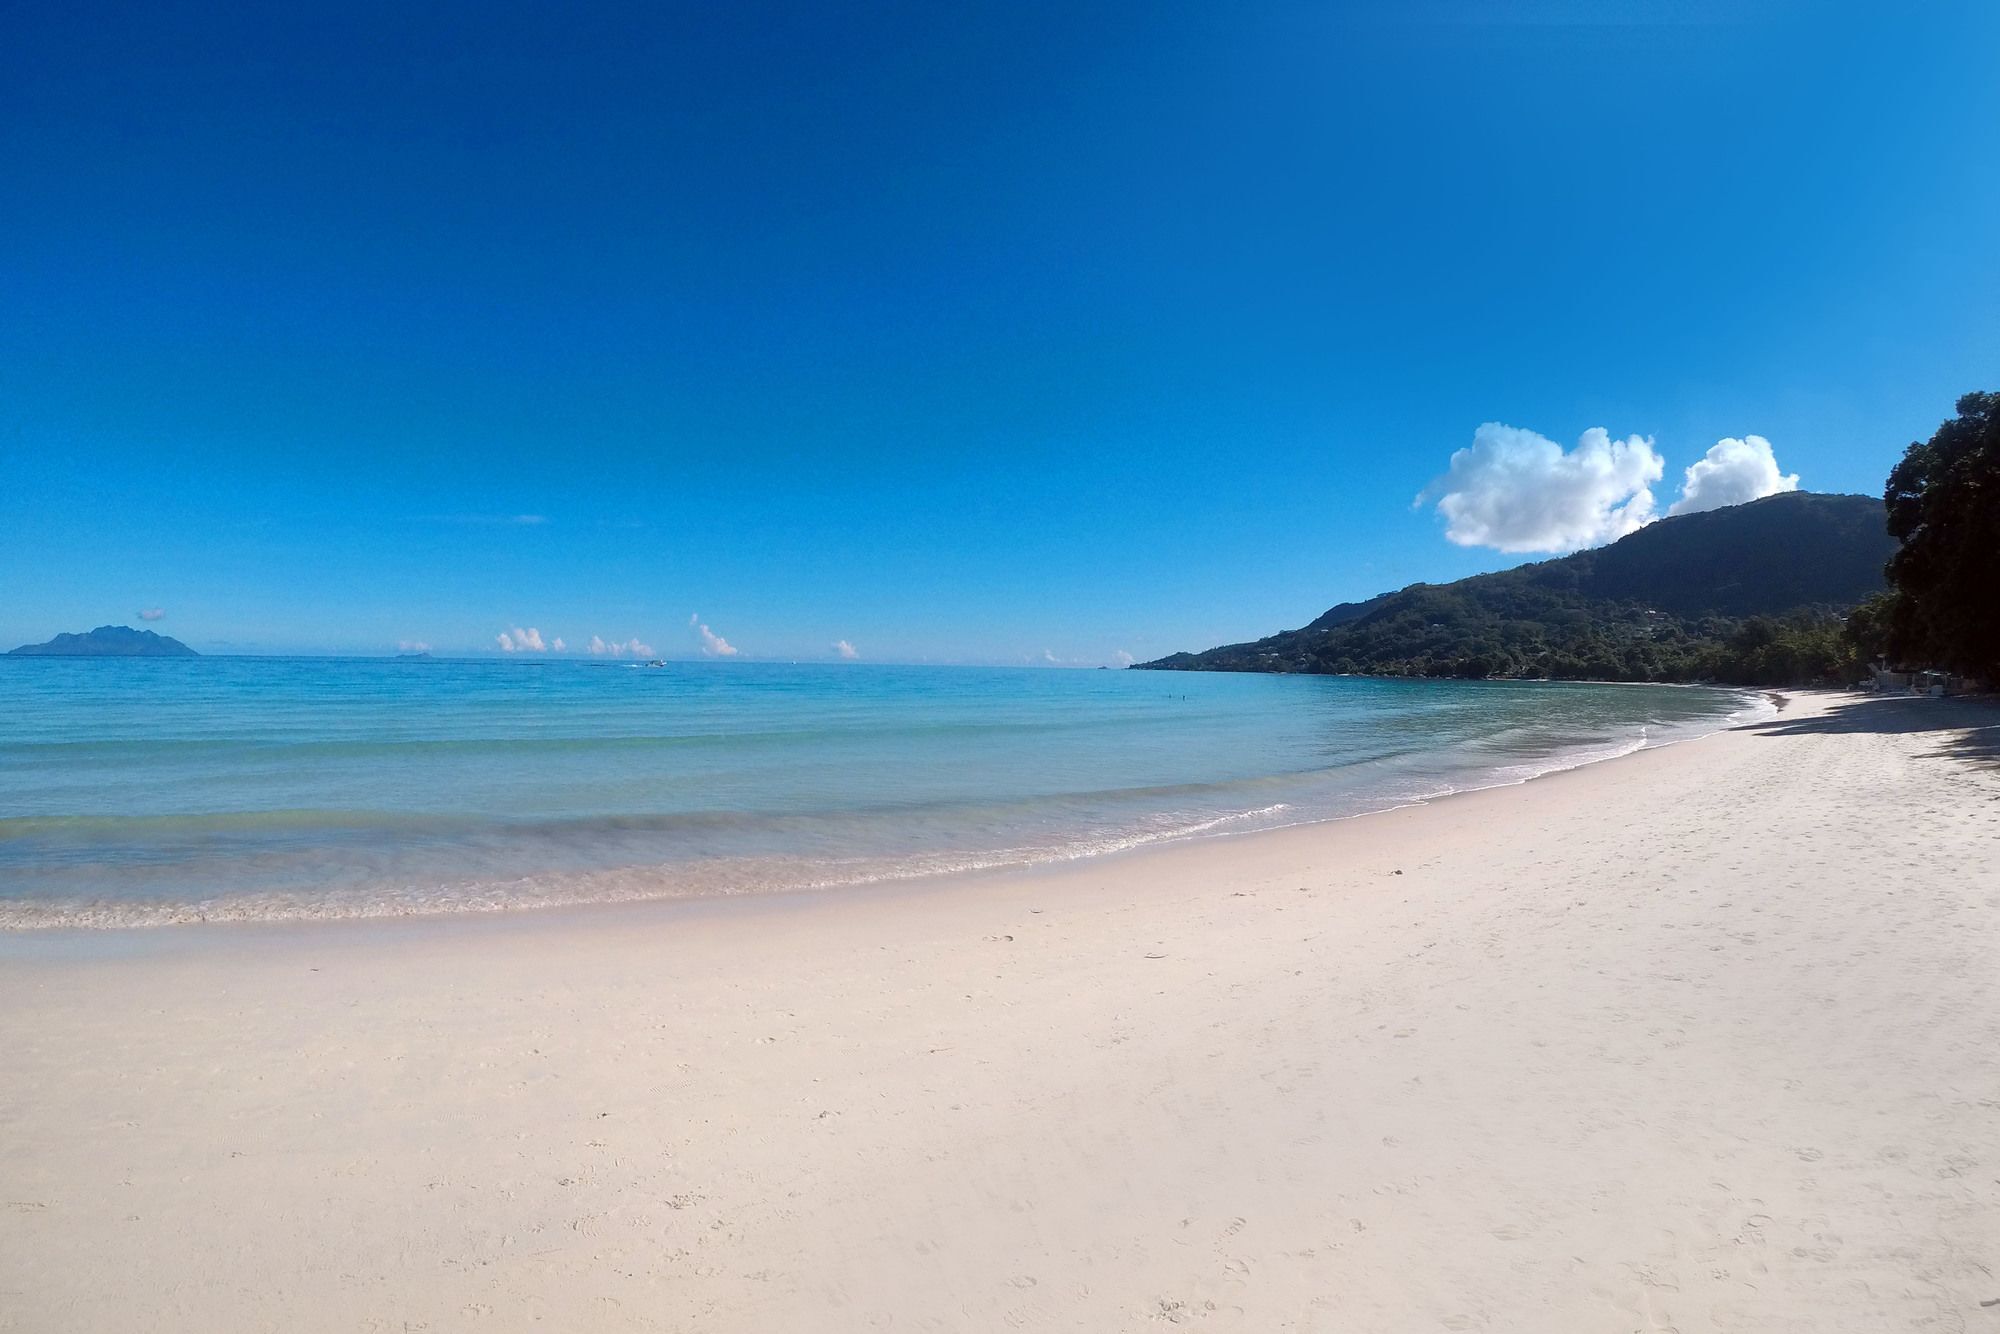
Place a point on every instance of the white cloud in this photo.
(619, 648)
(1048, 658)
(151, 614)
(558, 645)
(518, 640)
(1518, 491)
(846, 650)
(713, 645)
(412, 646)
(1732, 472)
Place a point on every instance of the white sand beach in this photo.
(1706, 1038)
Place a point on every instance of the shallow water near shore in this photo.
(138, 792)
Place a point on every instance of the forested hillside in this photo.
(1751, 594)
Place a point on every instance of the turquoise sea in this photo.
(137, 792)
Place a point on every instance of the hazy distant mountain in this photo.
(1658, 604)
(108, 641)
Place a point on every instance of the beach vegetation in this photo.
(1943, 500)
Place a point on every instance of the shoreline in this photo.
(1706, 1039)
(309, 914)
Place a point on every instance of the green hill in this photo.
(1752, 594)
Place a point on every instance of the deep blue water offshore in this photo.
(138, 791)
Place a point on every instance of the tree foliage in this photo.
(1944, 508)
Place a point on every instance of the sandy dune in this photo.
(1706, 1038)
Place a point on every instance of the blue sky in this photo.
(957, 333)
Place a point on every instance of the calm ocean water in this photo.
(138, 792)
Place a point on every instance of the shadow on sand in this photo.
(1966, 728)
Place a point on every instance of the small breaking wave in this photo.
(722, 878)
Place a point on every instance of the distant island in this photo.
(1751, 594)
(108, 641)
